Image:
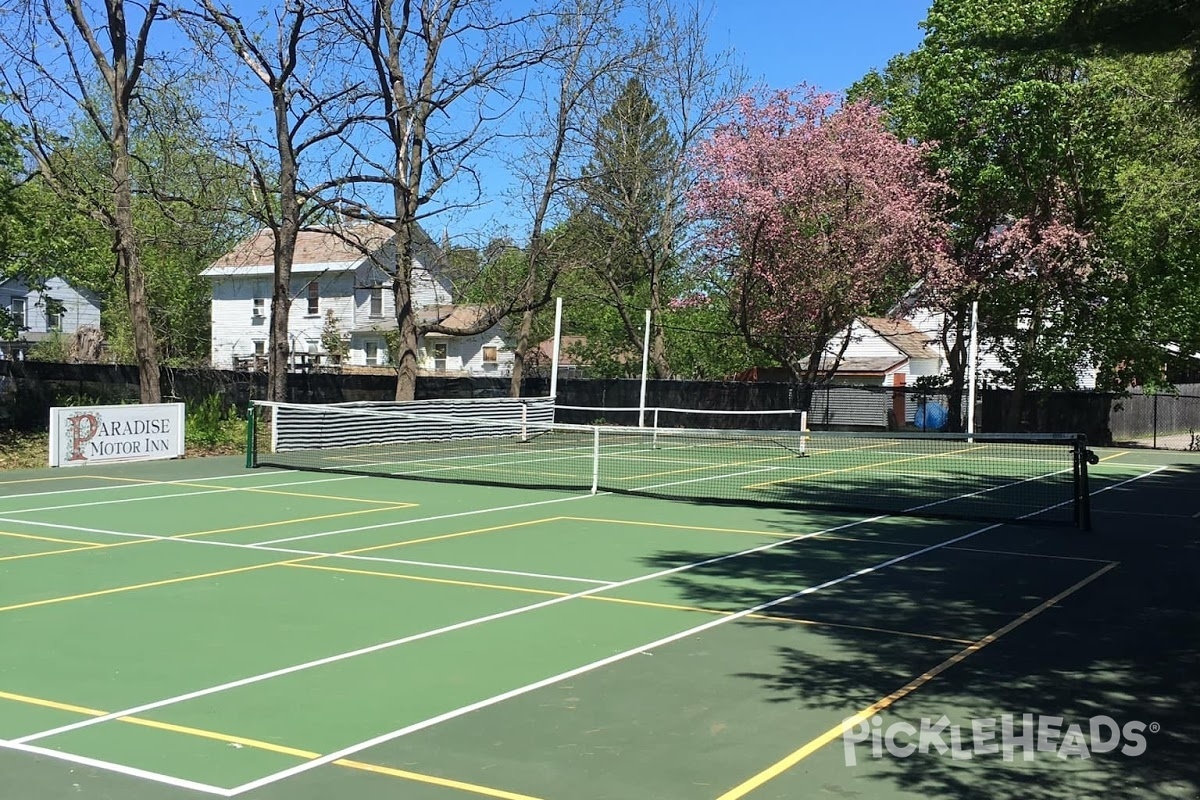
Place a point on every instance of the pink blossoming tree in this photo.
(814, 214)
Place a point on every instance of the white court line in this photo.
(375, 648)
(323, 554)
(133, 772)
(398, 523)
(267, 546)
(530, 687)
(217, 490)
(137, 482)
(493, 617)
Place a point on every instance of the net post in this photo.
(1085, 494)
(803, 433)
(595, 459)
(250, 437)
(524, 421)
(654, 434)
(972, 369)
(645, 371)
(558, 305)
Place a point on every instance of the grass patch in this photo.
(24, 450)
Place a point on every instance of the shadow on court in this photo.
(1125, 645)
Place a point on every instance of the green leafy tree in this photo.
(624, 190)
(1024, 142)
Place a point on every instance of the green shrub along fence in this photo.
(29, 389)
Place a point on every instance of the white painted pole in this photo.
(557, 344)
(972, 367)
(645, 371)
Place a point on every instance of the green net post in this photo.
(250, 433)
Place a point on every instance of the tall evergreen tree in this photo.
(620, 216)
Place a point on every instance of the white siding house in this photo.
(990, 367)
(883, 351)
(334, 282)
(38, 313)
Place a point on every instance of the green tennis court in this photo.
(177, 629)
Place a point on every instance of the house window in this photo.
(314, 297)
(54, 318)
(260, 307)
(372, 351)
(376, 301)
(16, 308)
(439, 357)
(489, 355)
(260, 347)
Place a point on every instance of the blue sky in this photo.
(827, 43)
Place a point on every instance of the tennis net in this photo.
(1031, 478)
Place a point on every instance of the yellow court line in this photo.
(272, 747)
(264, 490)
(677, 527)
(192, 485)
(41, 553)
(132, 587)
(295, 521)
(257, 525)
(624, 601)
(817, 450)
(876, 465)
(444, 536)
(486, 791)
(424, 579)
(725, 465)
(1115, 455)
(48, 539)
(43, 480)
(786, 763)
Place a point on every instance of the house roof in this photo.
(316, 250)
(902, 335)
(545, 351)
(452, 316)
(878, 365)
(17, 282)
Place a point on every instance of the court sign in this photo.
(102, 434)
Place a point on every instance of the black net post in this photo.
(1083, 495)
(250, 437)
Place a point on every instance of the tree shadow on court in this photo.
(1126, 645)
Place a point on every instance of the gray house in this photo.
(38, 313)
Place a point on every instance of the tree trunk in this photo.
(522, 347)
(658, 347)
(1023, 368)
(281, 304)
(407, 333)
(285, 249)
(954, 325)
(125, 248)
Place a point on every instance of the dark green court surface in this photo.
(190, 628)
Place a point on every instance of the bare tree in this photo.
(444, 72)
(82, 64)
(587, 49)
(634, 187)
(294, 58)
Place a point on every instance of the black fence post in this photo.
(1155, 440)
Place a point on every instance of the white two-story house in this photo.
(37, 313)
(338, 286)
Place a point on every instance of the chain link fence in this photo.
(1156, 419)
